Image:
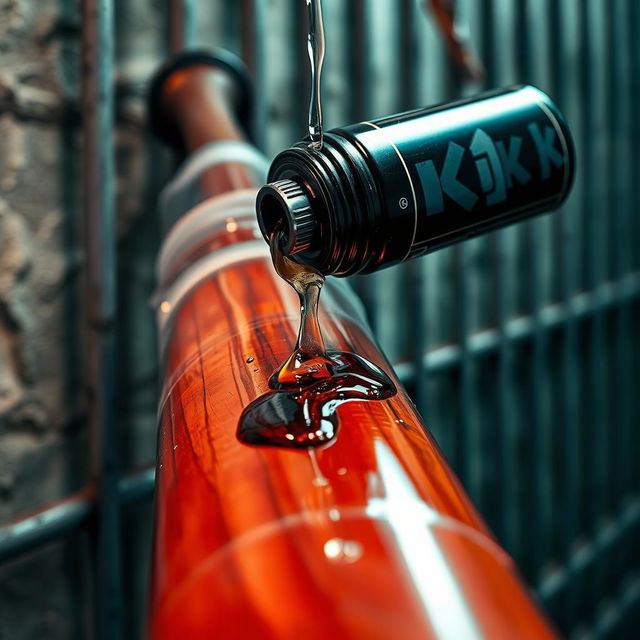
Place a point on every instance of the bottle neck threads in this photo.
(323, 202)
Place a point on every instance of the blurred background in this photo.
(520, 348)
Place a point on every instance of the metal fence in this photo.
(520, 347)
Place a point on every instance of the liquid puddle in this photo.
(300, 411)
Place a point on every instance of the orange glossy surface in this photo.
(199, 100)
(368, 537)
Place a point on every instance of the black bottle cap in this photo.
(285, 205)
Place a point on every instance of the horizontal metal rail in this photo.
(580, 307)
(603, 542)
(50, 523)
(64, 517)
(613, 615)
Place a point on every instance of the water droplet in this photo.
(250, 359)
(342, 471)
(340, 550)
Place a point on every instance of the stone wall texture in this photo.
(43, 441)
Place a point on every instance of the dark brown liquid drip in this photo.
(309, 360)
(306, 417)
(312, 383)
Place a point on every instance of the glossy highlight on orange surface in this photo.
(368, 537)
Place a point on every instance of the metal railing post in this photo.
(182, 25)
(254, 26)
(100, 300)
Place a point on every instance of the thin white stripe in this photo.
(563, 142)
(413, 191)
(412, 521)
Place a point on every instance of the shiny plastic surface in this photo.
(389, 190)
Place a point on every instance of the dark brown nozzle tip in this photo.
(284, 206)
(163, 124)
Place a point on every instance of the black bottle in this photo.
(378, 193)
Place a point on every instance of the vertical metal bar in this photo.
(620, 427)
(98, 182)
(570, 283)
(595, 263)
(360, 73)
(594, 268)
(614, 169)
(407, 57)
(632, 473)
(566, 87)
(510, 434)
(440, 389)
(468, 445)
(182, 25)
(415, 270)
(510, 469)
(488, 39)
(610, 568)
(634, 347)
(542, 265)
(538, 535)
(530, 512)
(583, 589)
(634, 80)
(462, 378)
(469, 442)
(596, 218)
(359, 68)
(621, 251)
(300, 32)
(417, 282)
(558, 289)
(541, 429)
(488, 427)
(254, 29)
(474, 455)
